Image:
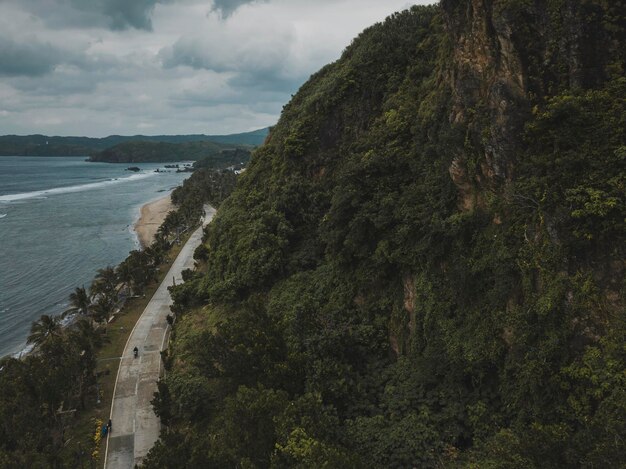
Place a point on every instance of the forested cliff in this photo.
(423, 266)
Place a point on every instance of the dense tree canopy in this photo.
(42, 393)
(390, 286)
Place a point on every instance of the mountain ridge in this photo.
(215, 154)
(42, 145)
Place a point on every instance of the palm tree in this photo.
(79, 302)
(105, 281)
(125, 275)
(141, 269)
(161, 242)
(154, 254)
(86, 339)
(102, 308)
(44, 329)
(163, 231)
(86, 335)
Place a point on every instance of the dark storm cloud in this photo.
(57, 85)
(253, 72)
(123, 14)
(31, 58)
(111, 14)
(190, 53)
(227, 7)
(207, 53)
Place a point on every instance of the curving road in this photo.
(135, 426)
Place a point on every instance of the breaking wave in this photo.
(70, 189)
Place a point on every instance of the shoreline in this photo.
(151, 216)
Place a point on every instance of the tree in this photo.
(87, 339)
(79, 302)
(142, 269)
(103, 308)
(105, 282)
(154, 254)
(125, 275)
(44, 329)
(86, 335)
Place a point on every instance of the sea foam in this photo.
(26, 349)
(70, 189)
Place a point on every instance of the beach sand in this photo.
(152, 215)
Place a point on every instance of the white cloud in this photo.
(175, 66)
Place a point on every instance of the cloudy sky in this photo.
(100, 67)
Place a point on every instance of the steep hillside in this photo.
(423, 266)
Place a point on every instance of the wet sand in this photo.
(152, 215)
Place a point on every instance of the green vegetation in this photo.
(212, 154)
(389, 284)
(204, 186)
(43, 145)
(45, 394)
(51, 398)
(359, 307)
(237, 158)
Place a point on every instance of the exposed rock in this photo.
(458, 173)
(499, 71)
(408, 282)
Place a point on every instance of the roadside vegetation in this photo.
(51, 398)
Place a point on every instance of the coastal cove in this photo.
(61, 219)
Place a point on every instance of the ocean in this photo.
(62, 219)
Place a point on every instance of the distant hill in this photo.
(213, 154)
(256, 137)
(42, 145)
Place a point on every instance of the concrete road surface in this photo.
(135, 427)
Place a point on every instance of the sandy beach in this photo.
(152, 215)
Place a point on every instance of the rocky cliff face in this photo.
(508, 56)
(489, 88)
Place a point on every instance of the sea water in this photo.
(62, 219)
